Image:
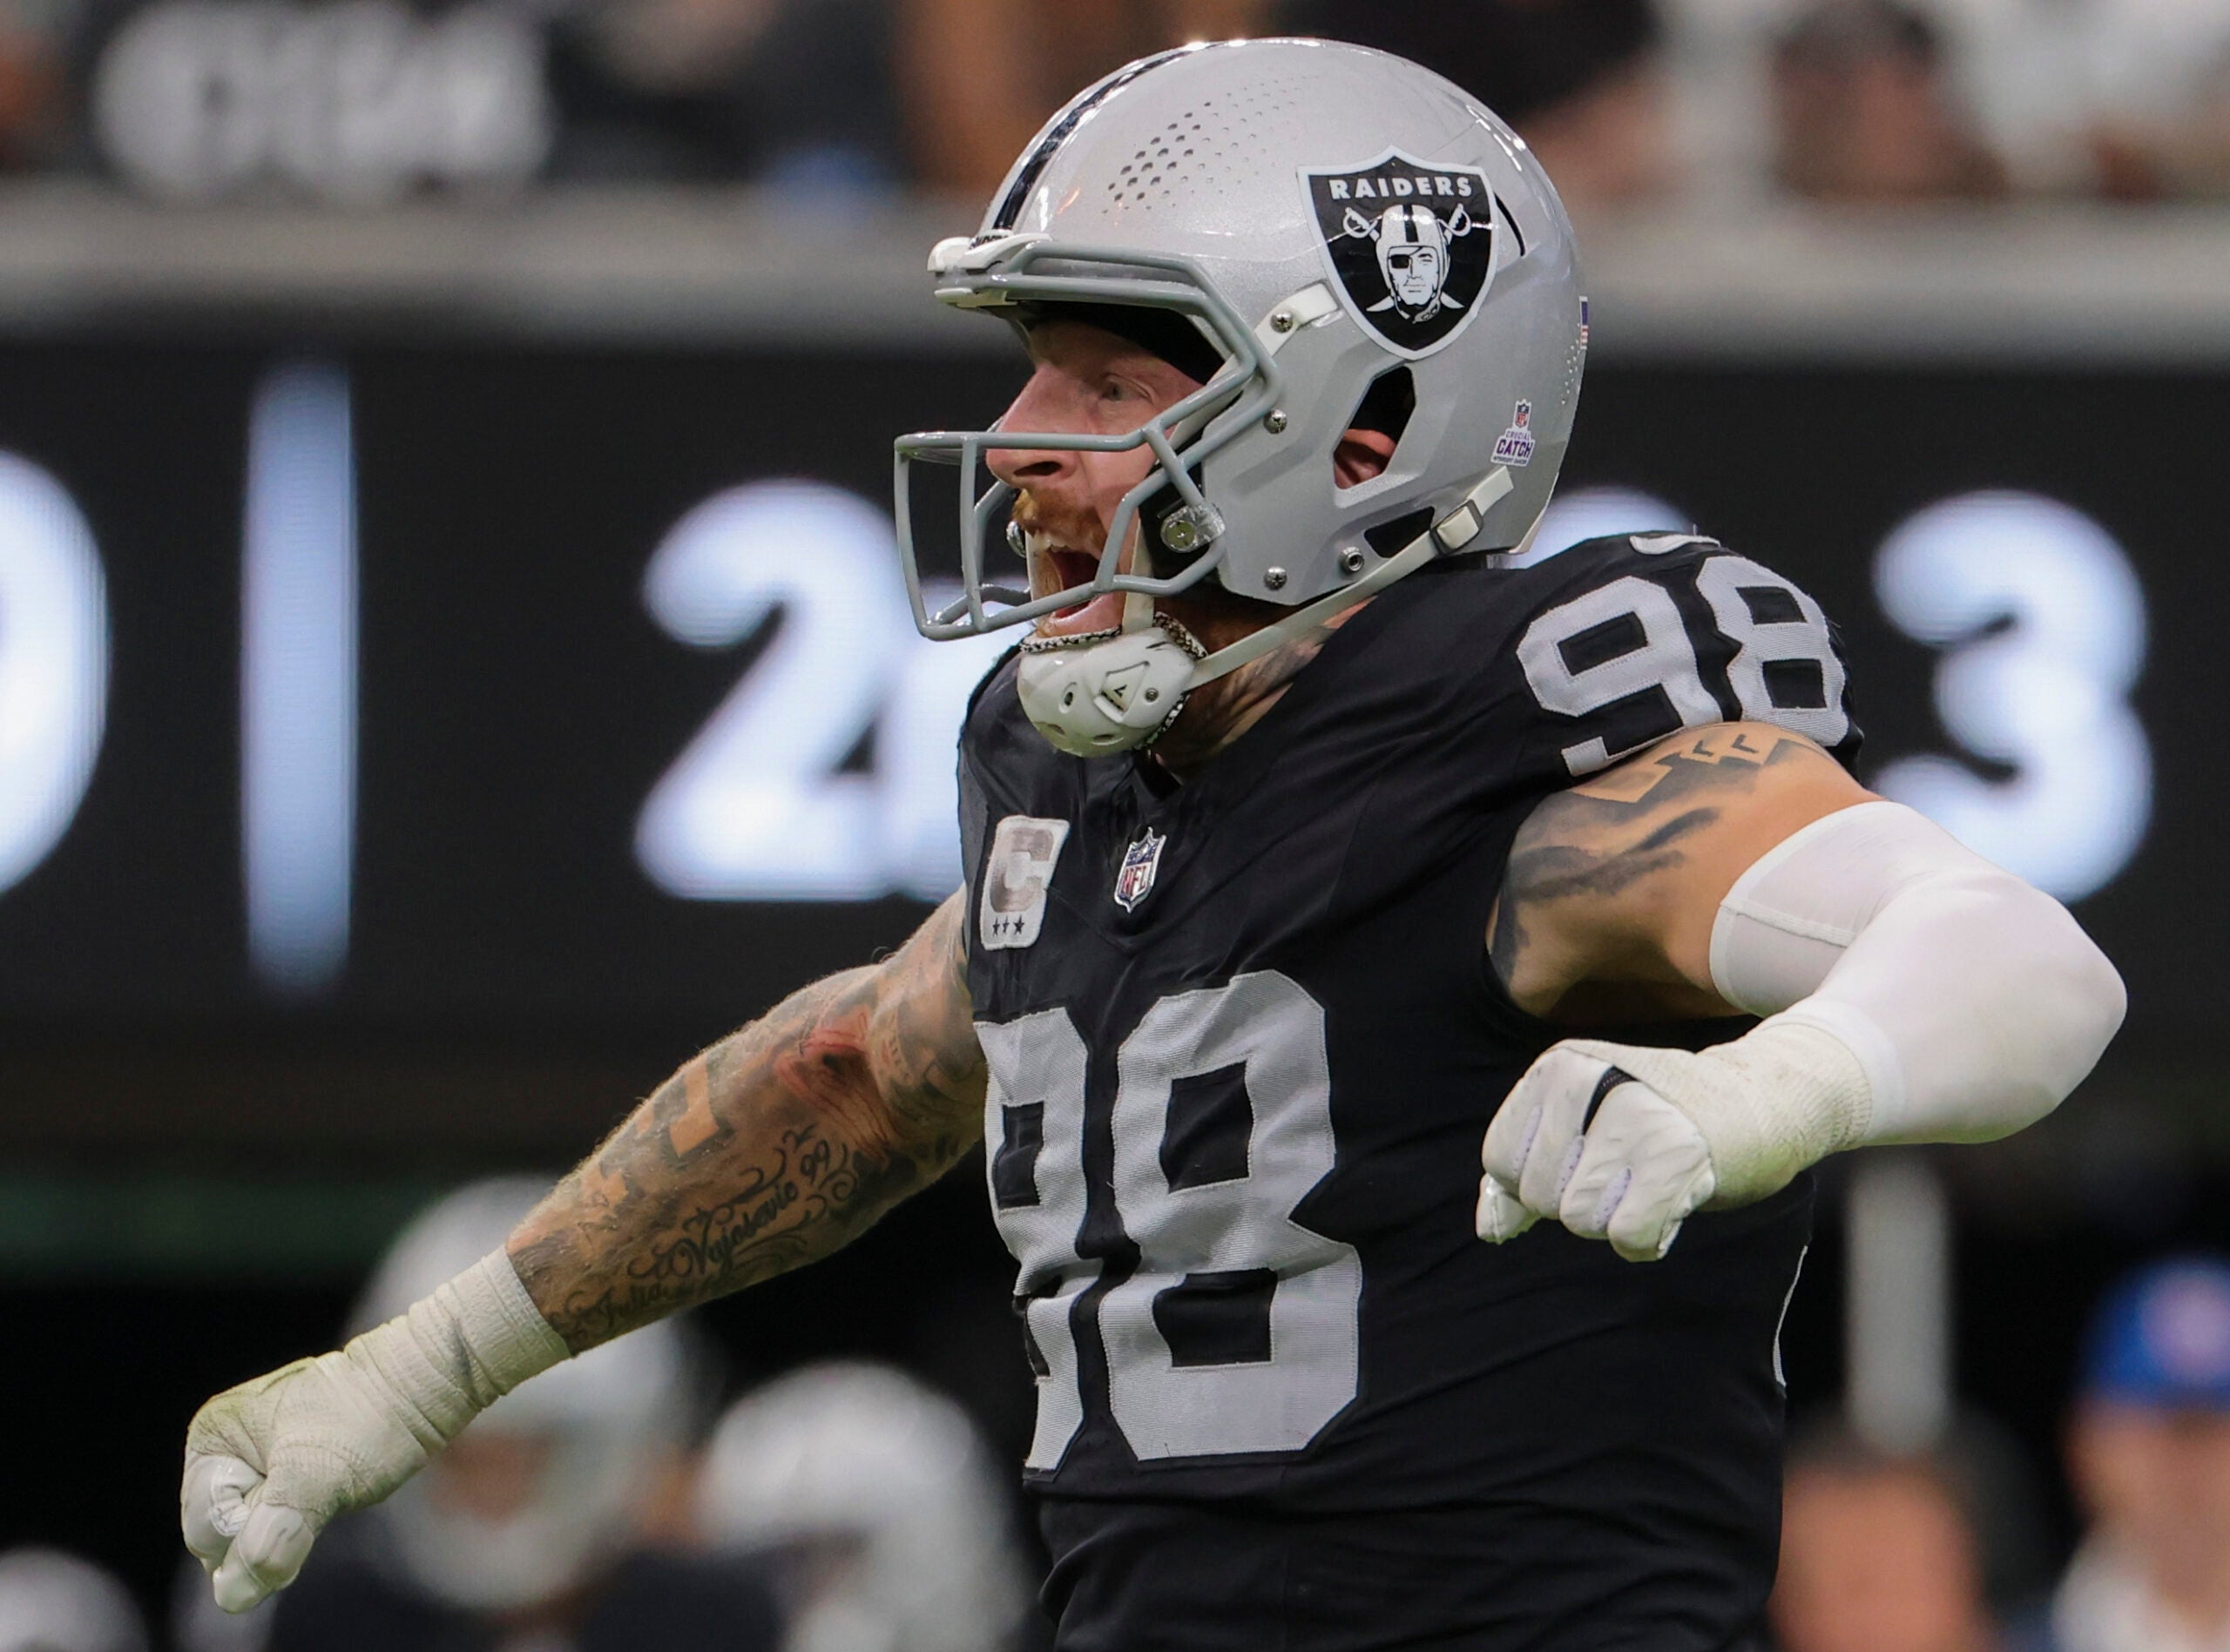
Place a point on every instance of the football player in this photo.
(1314, 836)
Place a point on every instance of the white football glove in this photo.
(1622, 1143)
(268, 1463)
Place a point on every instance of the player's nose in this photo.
(1041, 407)
(1033, 468)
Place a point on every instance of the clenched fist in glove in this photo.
(268, 1463)
(1913, 993)
(1622, 1143)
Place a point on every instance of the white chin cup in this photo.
(1105, 692)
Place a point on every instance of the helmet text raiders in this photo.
(1411, 246)
(1325, 218)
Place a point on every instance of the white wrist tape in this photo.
(455, 1352)
(1972, 1003)
(268, 1463)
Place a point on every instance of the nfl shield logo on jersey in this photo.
(1140, 862)
(1410, 246)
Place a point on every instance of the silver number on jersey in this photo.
(1033, 1119)
(1790, 631)
(1217, 1237)
(1595, 624)
(1625, 639)
(1220, 1234)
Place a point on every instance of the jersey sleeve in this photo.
(1634, 637)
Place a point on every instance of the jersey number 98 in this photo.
(1237, 1331)
(1628, 661)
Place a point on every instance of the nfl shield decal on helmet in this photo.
(1140, 862)
(1515, 445)
(1410, 246)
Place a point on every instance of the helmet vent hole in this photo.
(1387, 405)
(1515, 233)
(1388, 537)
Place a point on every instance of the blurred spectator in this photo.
(1880, 1552)
(2161, 127)
(1582, 80)
(982, 76)
(2149, 1451)
(837, 101)
(2128, 98)
(793, 93)
(1864, 111)
(529, 1533)
(50, 1602)
(880, 1506)
(31, 81)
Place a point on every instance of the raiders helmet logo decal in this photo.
(1410, 246)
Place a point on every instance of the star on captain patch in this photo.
(1140, 862)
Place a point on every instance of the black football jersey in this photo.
(1245, 1042)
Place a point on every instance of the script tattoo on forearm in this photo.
(776, 1146)
(1630, 823)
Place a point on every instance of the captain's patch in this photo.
(1016, 876)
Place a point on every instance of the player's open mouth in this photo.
(1072, 568)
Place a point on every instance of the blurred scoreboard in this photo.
(407, 690)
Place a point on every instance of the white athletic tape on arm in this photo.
(1973, 1002)
(268, 1463)
(458, 1351)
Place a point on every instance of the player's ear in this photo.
(1361, 455)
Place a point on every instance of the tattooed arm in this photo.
(1612, 886)
(772, 1149)
(773, 1146)
(1911, 991)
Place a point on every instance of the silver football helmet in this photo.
(1323, 216)
(888, 1510)
(51, 1602)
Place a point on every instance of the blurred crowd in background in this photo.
(613, 1504)
(1942, 1549)
(843, 102)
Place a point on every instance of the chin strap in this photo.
(1419, 551)
(1450, 535)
